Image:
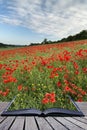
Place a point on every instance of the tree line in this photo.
(80, 36)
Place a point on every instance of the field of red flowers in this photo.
(44, 74)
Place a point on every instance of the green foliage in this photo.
(80, 36)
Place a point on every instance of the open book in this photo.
(48, 112)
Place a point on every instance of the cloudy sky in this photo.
(26, 21)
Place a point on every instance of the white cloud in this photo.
(57, 18)
(7, 20)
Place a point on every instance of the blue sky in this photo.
(26, 21)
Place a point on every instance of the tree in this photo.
(44, 41)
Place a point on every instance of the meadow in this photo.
(42, 76)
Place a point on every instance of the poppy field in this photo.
(42, 76)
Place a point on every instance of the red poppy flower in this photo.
(49, 97)
(0, 91)
(4, 94)
(67, 88)
(58, 83)
(45, 100)
(53, 100)
(20, 87)
(79, 100)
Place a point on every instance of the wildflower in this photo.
(76, 72)
(44, 62)
(79, 53)
(52, 100)
(49, 97)
(52, 75)
(75, 65)
(0, 91)
(85, 70)
(19, 87)
(33, 62)
(9, 79)
(4, 94)
(52, 95)
(66, 82)
(58, 83)
(49, 67)
(1, 66)
(67, 58)
(79, 100)
(45, 100)
(7, 90)
(67, 88)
